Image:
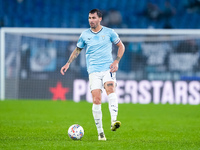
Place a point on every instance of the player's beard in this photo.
(93, 25)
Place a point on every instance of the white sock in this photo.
(97, 114)
(113, 106)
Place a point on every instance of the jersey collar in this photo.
(98, 31)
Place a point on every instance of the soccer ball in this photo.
(75, 132)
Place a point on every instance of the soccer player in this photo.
(97, 40)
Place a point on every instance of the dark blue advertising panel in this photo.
(128, 91)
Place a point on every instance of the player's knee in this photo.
(96, 96)
(97, 100)
(110, 89)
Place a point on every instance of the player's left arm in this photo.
(120, 53)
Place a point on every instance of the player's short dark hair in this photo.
(99, 14)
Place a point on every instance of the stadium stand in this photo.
(183, 14)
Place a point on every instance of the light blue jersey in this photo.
(98, 48)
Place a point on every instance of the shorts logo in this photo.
(112, 75)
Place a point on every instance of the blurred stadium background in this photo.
(182, 14)
(161, 63)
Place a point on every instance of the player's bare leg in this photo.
(97, 113)
(113, 104)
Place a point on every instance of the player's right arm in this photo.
(74, 54)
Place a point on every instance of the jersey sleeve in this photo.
(114, 37)
(80, 43)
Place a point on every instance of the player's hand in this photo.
(64, 68)
(114, 66)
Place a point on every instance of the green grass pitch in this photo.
(35, 124)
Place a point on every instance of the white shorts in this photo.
(97, 79)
